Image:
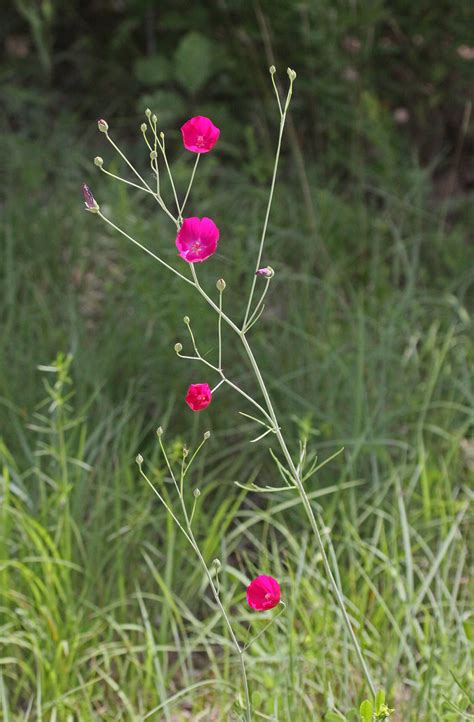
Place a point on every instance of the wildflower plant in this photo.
(196, 241)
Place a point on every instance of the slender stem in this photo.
(225, 616)
(269, 205)
(162, 147)
(145, 184)
(190, 185)
(309, 511)
(124, 180)
(253, 316)
(219, 331)
(144, 248)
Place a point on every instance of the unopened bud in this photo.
(148, 112)
(272, 70)
(221, 284)
(196, 493)
(162, 135)
(154, 118)
(266, 272)
(89, 201)
(102, 125)
(159, 431)
(186, 320)
(143, 127)
(216, 564)
(153, 155)
(139, 459)
(207, 435)
(185, 452)
(178, 347)
(98, 161)
(291, 74)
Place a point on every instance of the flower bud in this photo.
(291, 74)
(178, 347)
(143, 127)
(186, 320)
(162, 135)
(153, 155)
(89, 201)
(221, 284)
(139, 459)
(196, 493)
(159, 431)
(154, 118)
(185, 452)
(267, 272)
(98, 161)
(102, 125)
(207, 435)
(148, 113)
(272, 70)
(216, 564)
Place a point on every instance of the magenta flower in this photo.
(197, 239)
(263, 593)
(199, 134)
(199, 396)
(89, 200)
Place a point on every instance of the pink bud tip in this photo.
(267, 272)
(263, 593)
(89, 200)
(199, 134)
(102, 125)
(199, 396)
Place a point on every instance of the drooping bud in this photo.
(89, 200)
(139, 459)
(221, 284)
(272, 70)
(102, 125)
(185, 452)
(186, 320)
(178, 347)
(291, 74)
(266, 272)
(98, 161)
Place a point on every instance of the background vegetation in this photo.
(367, 340)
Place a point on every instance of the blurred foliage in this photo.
(409, 62)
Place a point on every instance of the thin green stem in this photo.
(255, 313)
(157, 197)
(190, 185)
(144, 248)
(269, 205)
(219, 331)
(124, 180)
(309, 511)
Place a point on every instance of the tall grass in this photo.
(99, 619)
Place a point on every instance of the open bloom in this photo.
(197, 239)
(263, 593)
(199, 396)
(89, 200)
(199, 134)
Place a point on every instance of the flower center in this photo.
(200, 141)
(196, 245)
